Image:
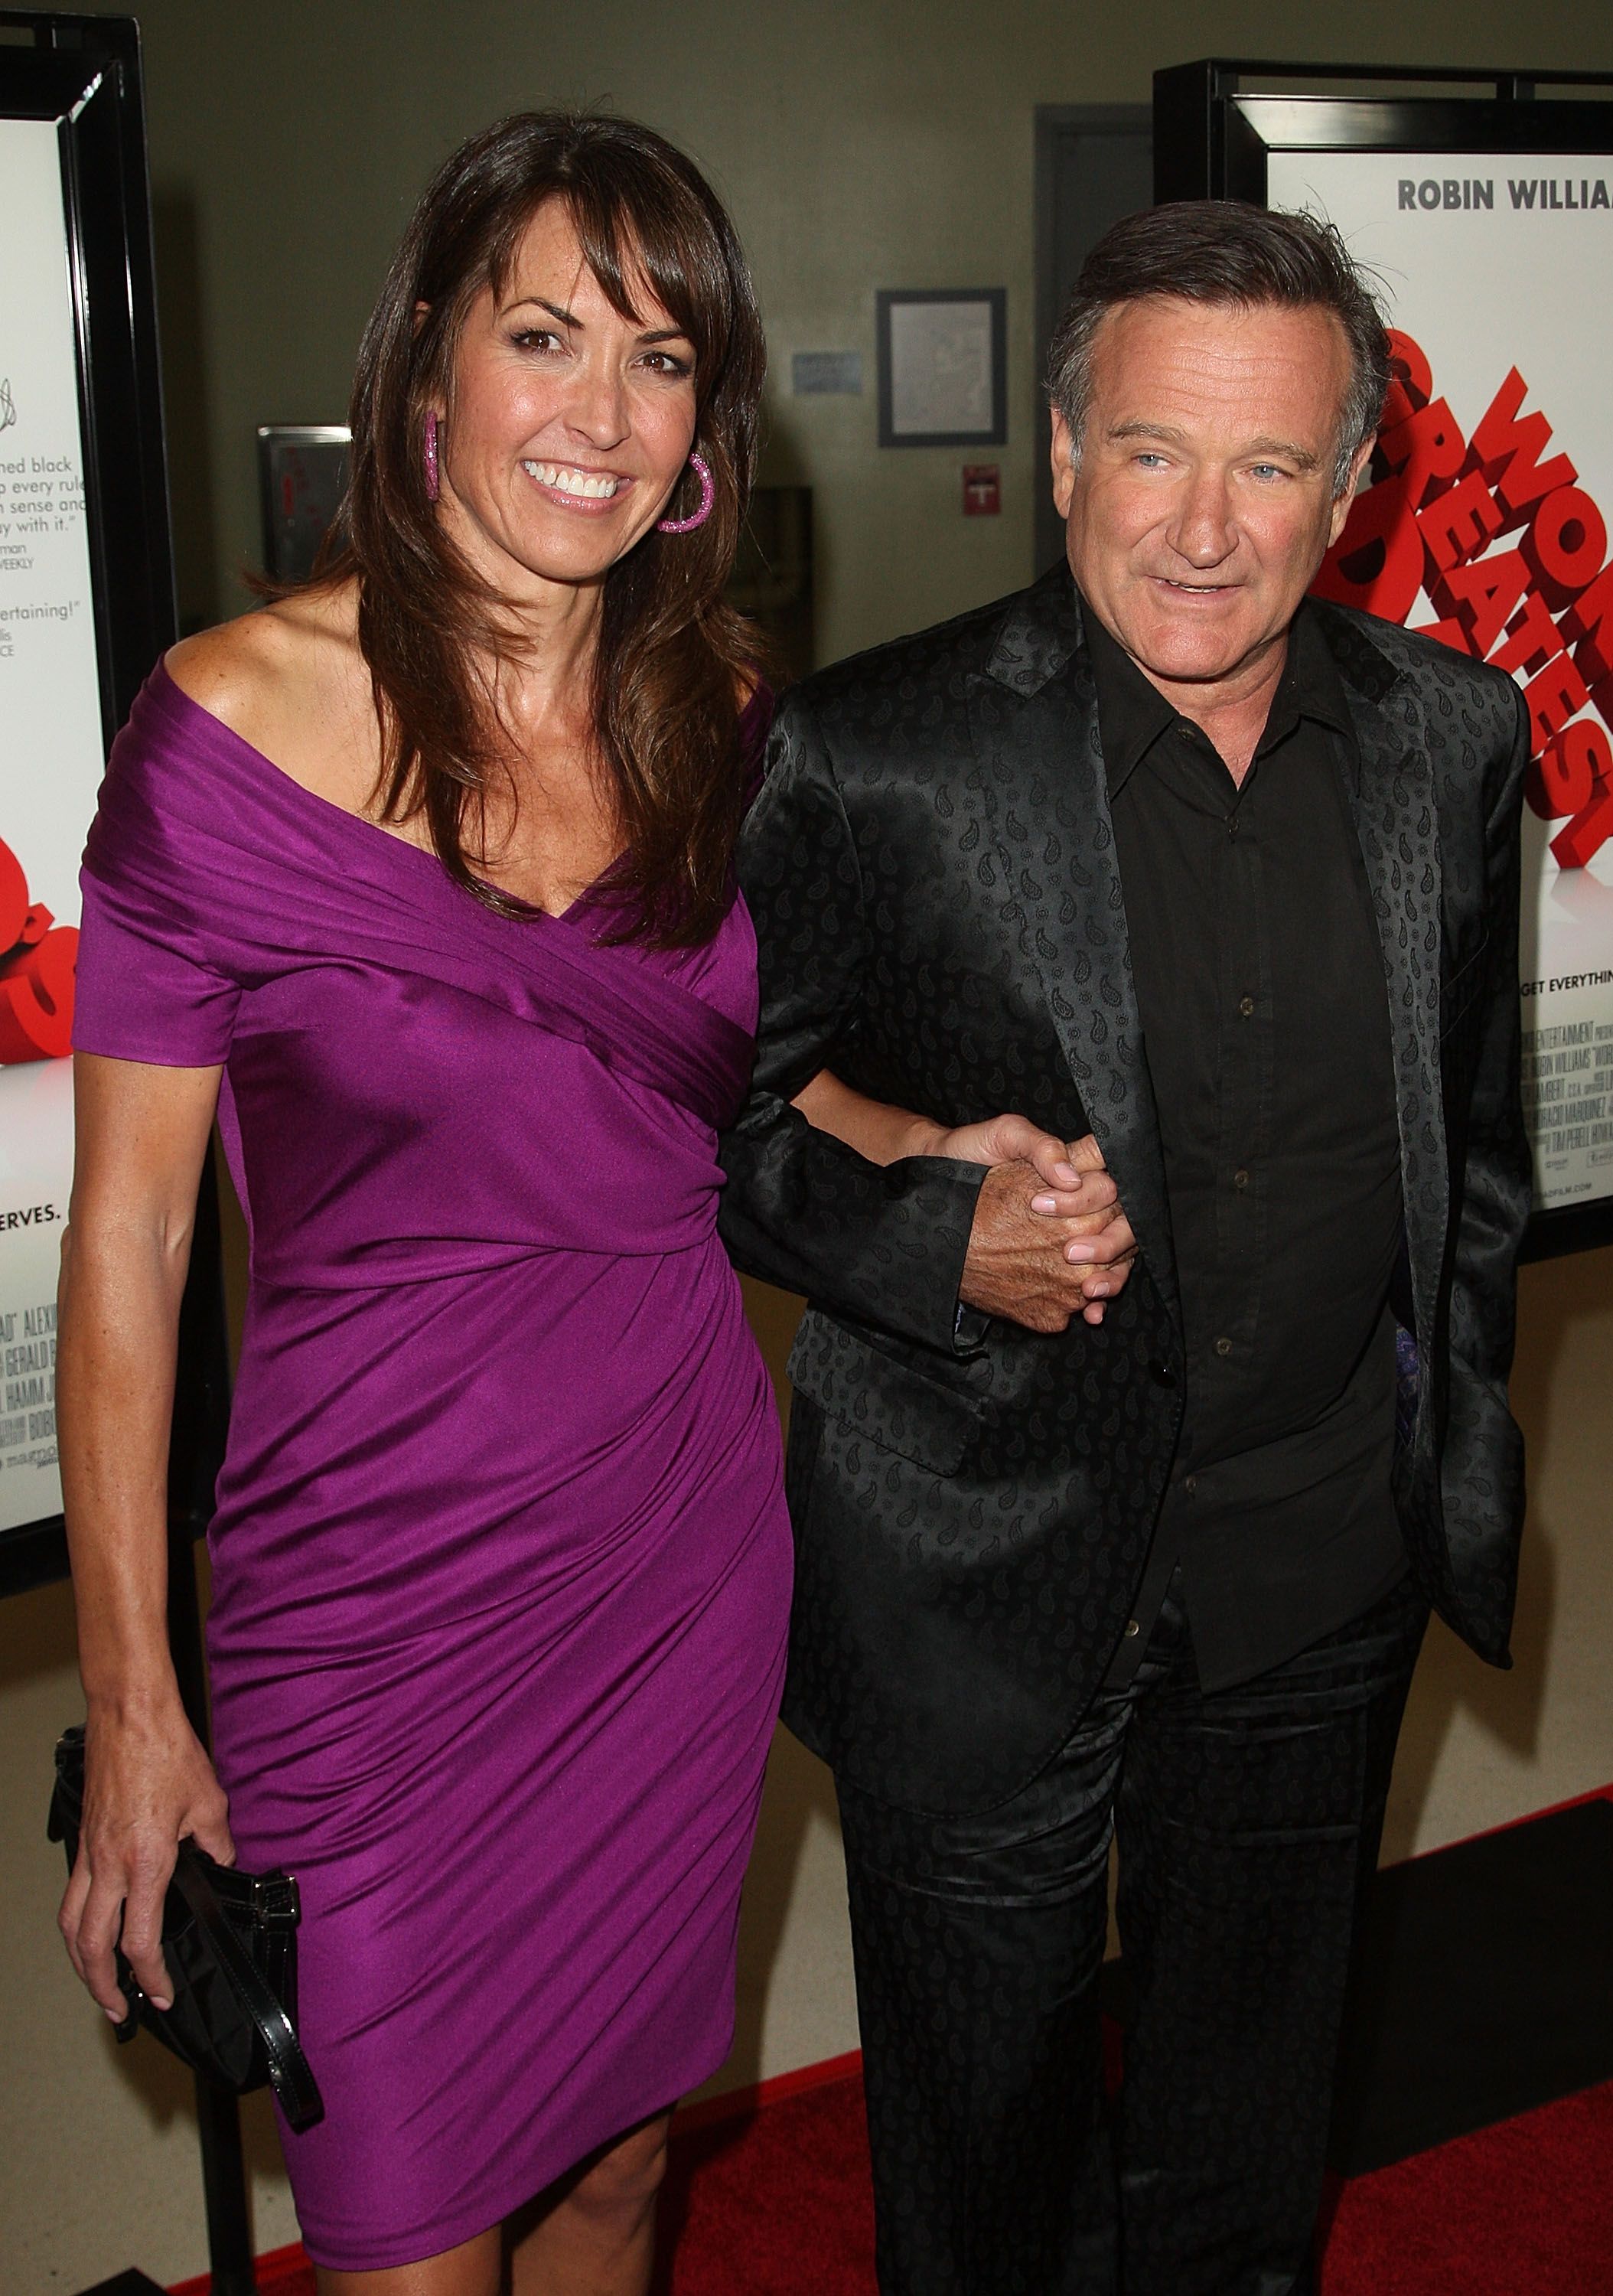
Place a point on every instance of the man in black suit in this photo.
(1167, 855)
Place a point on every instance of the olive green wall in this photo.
(861, 143)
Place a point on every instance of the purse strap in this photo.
(289, 2072)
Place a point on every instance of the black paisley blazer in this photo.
(931, 869)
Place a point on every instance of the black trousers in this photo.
(1248, 1822)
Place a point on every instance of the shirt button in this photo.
(1190, 1483)
(1246, 1005)
(1132, 1628)
(1239, 1179)
(1223, 1346)
(1163, 1374)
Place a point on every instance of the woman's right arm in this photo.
(1074, 1211)
(141, 1134)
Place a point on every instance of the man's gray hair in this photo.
(1228, 253)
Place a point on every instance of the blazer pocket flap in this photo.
(890, 1403)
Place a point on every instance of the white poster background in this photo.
(51, 763)
(1483, 290)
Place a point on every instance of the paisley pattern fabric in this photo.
(931, 869)
(500, 1562)
(1247, 1820)
(933, 874)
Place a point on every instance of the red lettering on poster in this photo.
(1532, 641)
(1507, 449)
(1590, 619)
(1377, 561)
(1566, 544)
(1601, 697)
(1427, 521)
(1587, 750)
(37, 999)
(1565, 777)
(1557, 695)
(1457, 525)
(13, 899)
(1485, 597)
(1411, 380)
(38, 961)
(1426, 447)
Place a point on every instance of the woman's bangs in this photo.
(633, 250)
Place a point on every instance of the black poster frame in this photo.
(1213, 132)
(84, 72)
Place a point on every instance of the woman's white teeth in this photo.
(592, 484)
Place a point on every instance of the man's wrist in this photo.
(926, 1137)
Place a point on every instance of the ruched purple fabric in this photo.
(501, 1566)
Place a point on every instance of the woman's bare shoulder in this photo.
(288, 678)
(239, 668)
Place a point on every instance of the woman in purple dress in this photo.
(421, 878)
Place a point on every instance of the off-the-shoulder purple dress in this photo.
(501, 1565)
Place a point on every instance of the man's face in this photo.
(1203, 500)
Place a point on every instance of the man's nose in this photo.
(1203, 531)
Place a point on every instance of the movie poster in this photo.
(51, 763)
(1486, 525)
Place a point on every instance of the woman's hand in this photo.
(1044, 1196)
(1060, 1183)
(148, 1785)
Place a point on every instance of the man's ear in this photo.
(1345, 501)
(1063, 465)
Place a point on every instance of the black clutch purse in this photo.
(230, 1942)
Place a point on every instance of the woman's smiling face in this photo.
(569, 425)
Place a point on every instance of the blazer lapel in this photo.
(1040, 779)
(1397, 823)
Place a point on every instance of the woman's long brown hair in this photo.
(672, 656)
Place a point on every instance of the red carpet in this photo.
(777, 2204)
(1524, 2209)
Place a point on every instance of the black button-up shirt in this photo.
(1261, 990)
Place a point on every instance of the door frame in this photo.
(1053, 120)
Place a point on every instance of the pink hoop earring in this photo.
(698, 465)
(432, 481)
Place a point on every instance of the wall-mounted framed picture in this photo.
(943, 356)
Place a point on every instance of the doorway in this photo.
(1094, 164)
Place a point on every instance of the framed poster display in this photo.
(1485, 214)
(943, 360)
(86, 607)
